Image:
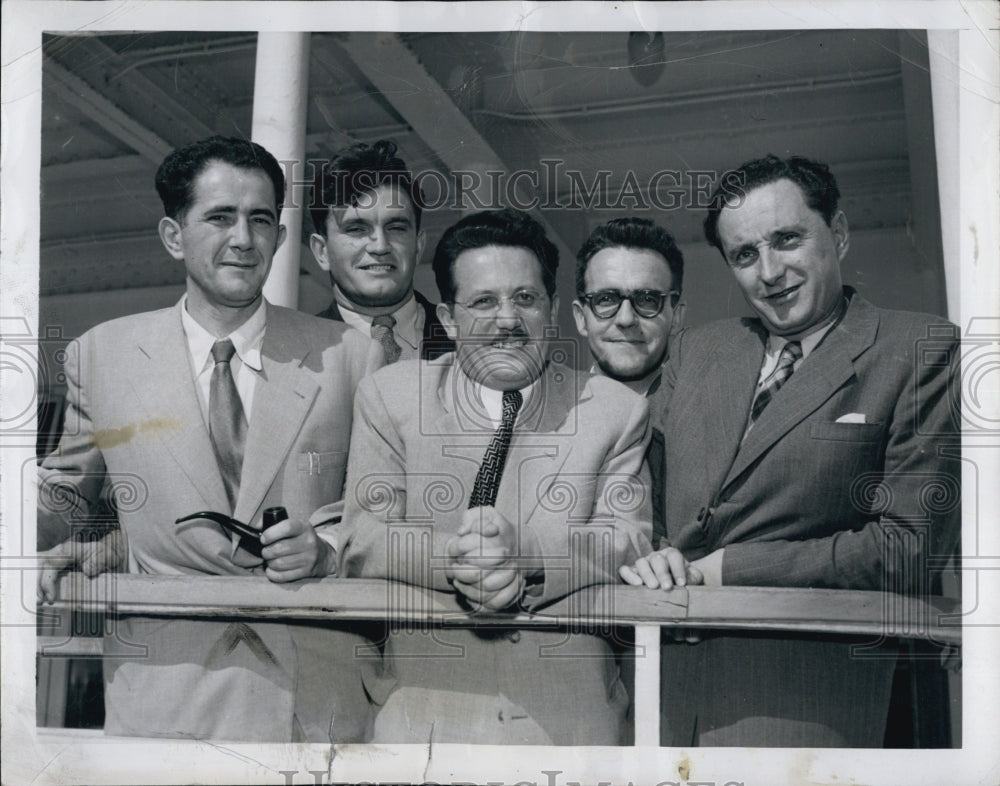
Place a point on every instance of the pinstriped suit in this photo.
(133, 419)
(808, 499)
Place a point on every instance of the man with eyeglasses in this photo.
(816, 446)
(628, 286)
(509, 481)
(629, 274)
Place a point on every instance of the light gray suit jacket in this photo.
(572, 477)
(134, 425)
(849, 479)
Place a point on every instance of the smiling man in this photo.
(628, 287)
(222, 403)
(508, 481)
(803, 448)
(366, 211)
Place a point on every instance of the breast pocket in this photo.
(330, 463)
(847, 432)
(318, 479)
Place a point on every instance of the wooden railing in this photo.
(873, 615)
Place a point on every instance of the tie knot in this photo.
(223, 351)
(384, 320)
(790, 354)
(512, 400)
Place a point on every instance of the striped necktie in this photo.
(790, 353)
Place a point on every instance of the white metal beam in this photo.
(426, 106)
(77, 93)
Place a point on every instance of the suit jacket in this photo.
(572, 477)
(815, 496)
(435, 341)
(134, 424)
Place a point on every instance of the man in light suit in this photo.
(434, 501)
(366, 212)
(813, 446)
(154, 413)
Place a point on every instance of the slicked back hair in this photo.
(814, 178)
(506, 227)
(176, 175)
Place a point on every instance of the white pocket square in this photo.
(852, 417)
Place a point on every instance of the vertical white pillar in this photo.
(943, 54)
(281, 83)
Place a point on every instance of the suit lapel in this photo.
(165, 388)
(826, 369)
(539, 459)
(728, 384)
(282, 398)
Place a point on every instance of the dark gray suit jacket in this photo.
(435, 341)
(849, 479)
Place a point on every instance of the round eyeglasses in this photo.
(647, 303)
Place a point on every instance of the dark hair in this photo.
(357, 170)
(814, 178)
(630, 232)
(505, 227)
(176, 175)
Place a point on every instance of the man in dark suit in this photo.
(813, 446)
(629, 274)
(226, 403)
(366, 214)
(508, 480)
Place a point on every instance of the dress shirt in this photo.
(408, 330)
(492, 401)
(776, 343)
(245, 365)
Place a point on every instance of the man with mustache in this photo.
(366, 211)
(505, 479)
(222, 403)
(814, 445)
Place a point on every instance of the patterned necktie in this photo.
(790, 353)
(382, 326)
(484, 490)
(227, 425)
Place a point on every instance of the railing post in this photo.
(647, 685)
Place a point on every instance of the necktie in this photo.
(227, 425)
(656, 457)
(484, 490)
(382, 326)
(790, 353)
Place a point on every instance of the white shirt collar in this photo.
(490, 401)
(409, 321)
(776, 343)
(247, 338)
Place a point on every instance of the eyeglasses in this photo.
(522, 300)
(647, 303)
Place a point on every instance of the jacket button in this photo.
(515, 636)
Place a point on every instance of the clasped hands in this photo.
(291, 550)
(483, 560)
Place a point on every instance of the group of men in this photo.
(473, 464)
